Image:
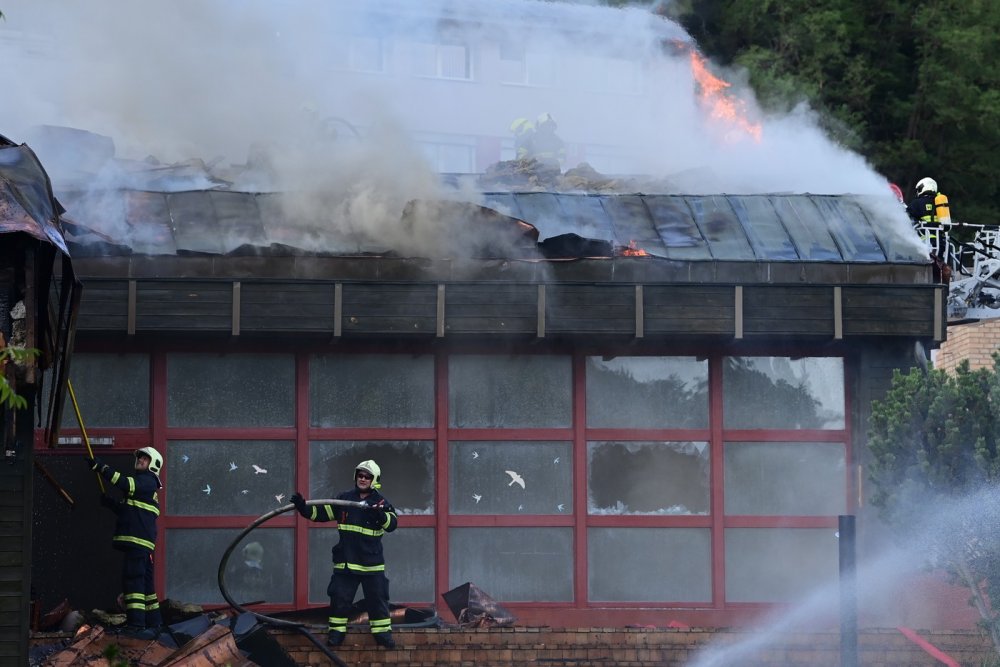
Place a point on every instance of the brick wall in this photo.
(975, 341)
(632, 647)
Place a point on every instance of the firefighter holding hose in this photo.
(357, 556)
(135, 535)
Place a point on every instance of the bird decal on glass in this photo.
(207, 490)
(279, 497)
(514, 478)
(257, 470)
(232, 466)
(477, 497)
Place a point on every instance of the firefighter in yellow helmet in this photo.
(357, 557)
(135, 535)
(545, 145)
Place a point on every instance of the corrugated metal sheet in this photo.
(744, 228)
(26, 201)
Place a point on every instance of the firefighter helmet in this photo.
(520, 126)
(155, 460)
(925, 185)
(545, 118)
(372, 469)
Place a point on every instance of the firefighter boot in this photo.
(334, 638)
(384, 639)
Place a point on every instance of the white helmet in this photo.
(925, 185)
(155, 460)
(372, 469)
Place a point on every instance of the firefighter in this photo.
(929, 210)
(545, 145)
(135, 535)
(357, 556)
(522, 129)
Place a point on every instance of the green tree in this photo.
(8, 397)
(934, 444)
(908, 85)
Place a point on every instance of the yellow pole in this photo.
(83, 430)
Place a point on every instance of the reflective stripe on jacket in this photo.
(137, 512)
(360, 547)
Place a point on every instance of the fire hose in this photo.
(278, 622)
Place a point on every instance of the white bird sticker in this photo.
(185, 458)
(514, 478)
(555, 460)
(475, 455)
(232, 466)
(279, 497)
(245, 491)
(207, 490)
(560, 507)
(477, 497)
(257, 470)
(520, 507)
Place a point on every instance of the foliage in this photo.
(935, 445)
(908, 85)
(18, 355)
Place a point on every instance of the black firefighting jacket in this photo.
(135, 529)
(359, 550)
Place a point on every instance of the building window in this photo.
(489, 477)
(509, 391)
(647, 478)
(647, 392)
(359, 53)
(512, 564)
(230, 390)
(783, 393)
(785, 478)
(602, 74)
(235, 477)
(386, 390)
(442, 60)
(123, 403)
(520, 66)
(448, 154)
(649, 564)
(778, 564)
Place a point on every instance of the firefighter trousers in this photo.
(142, 608)
(343, 586)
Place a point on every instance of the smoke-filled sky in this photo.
(226, 79)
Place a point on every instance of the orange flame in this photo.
(633, 250)
(713, 94)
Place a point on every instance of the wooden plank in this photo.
(939, 314)
(509, 325)
(639, 309)
(738, 312)
(104, 306)
(838, 312)
(439, 329)
(132, 297)
(236, 309)
(338, 310)
(540, 330)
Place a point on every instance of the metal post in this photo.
(848, 592)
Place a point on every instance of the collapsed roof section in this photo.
(512, 225)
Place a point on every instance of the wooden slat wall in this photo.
(13, 568)
(786, 310)
(390, 309)
(590, 309)
(502, 309)
(183, 306)
(898, 311)
(689, 309)
(384, 308)
(286, 307)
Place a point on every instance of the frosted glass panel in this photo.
(647, 392)
(785, 393)
(220, 477)
(648, 477)
(407, 470)
(122, 403)
(514, 564)
(779, 564)
(792, 478)
(409, 564)
(385, 390)
(511, 477)
(509, 392)
(262, 572)
(658, 564)
(230, 390)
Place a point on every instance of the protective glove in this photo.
(94, 463)
(109, 502)
(378, 511)
(299, 502)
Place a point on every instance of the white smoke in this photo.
(232, 82)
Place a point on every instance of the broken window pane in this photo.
(122, 403)
(649, 564)
(511, 477)
(779, 564)
(647, 477)
(230, 390)
(217, 477)
(376, 390)
(785, 478)
(259, 568)
(409, 564)
(509, 391)
(781, 392)
(647, 392)
(407, 470)
(514, 564)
